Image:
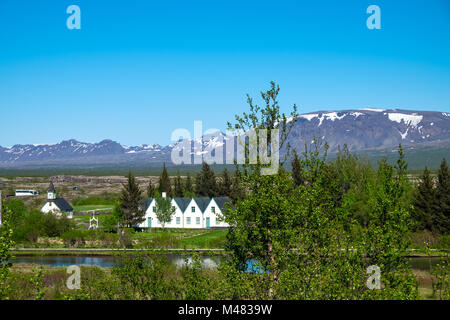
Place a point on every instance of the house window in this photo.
(188, 220)
(178, 220)
(173, 208)
(197, 220)
(192, 209)
(154, 209)
(213, 209)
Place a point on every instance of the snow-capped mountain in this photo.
(368, 129)
(363, 129)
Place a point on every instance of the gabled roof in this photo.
(202, 203)
(146, 203)
(51, 187)
(221, 202)
(62, 204)
(182, 203)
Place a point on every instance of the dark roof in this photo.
(51, 187)
(182, 203)
(221, 202)
(62, 204)
(202, 203)
(146, 202)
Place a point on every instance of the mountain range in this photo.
(363, 130)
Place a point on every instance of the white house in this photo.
(57, 206)
(190, 213)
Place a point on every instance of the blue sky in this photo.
(137, 70)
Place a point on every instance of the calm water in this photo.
(176, 259)
(105, 261)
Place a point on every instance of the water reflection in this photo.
(178, 260)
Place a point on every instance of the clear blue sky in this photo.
(137, 70)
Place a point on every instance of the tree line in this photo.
(204, 184)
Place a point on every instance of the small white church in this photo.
(57, 206)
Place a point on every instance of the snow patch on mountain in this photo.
(409, 119)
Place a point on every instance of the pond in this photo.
(419, 263)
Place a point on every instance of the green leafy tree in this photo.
(164, 210)
(263, 221)
(6, 243)
(131, 210)
(237, 191)
(297, 170)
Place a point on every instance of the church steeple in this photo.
(51, 192)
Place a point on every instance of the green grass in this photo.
(209, 240)
(92, 207)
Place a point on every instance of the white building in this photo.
(57, 206)
(190, 213)
(26, 193)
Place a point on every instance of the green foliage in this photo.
(432, 201)
(442, 212)
(37, 282)
(188, 187)
(297, 170)
(145, 277)
(305, 235)
(164, 210)
(6, 242)
(151, 190)
(196, 285)
(225, 185)
(205, 182)
(441, 281)
(131, 211)
(164, 184)
(424, 203)
(29, 224)
(178, 186)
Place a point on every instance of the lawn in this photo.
(214, 239)
(189, 239)
(100, 207)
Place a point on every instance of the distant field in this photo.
(92, 207)
(417, 159)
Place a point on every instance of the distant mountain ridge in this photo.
(362, 130)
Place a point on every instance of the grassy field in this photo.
(208, 240)
(99, 207)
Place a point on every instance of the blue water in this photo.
(178, 260)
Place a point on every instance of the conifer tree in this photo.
(130, 207)
(151, 190)
(178, 186)
(164, 182)
(424, 202)
(237, 192)
(188, 187)
(442, 215)
(205, 182)
(225, 184)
